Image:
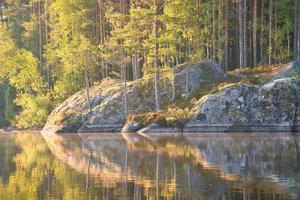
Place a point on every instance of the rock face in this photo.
(273, 106)
(198, 74)
(107, 100)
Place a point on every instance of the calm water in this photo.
(107, 167)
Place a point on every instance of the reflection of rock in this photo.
(267, 157)
(203, 162)
(131, 127)
(154, 131)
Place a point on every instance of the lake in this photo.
(105, 166)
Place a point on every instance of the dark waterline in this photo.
(237, 167)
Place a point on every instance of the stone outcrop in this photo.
(107, 99)
(273, 106)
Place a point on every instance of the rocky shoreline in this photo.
(270, 106)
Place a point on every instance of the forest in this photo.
(50, 49)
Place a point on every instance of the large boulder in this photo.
(198, 74)
(107, 99)
(273, 106)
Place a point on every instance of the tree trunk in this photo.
(262, 33)
(214, 31)
(133, 67)
(101, 21)
(245, 32)
(125, 88)
(1, 13)
(40, 33)
(241, 34)
(156, 61)
(173, 86)
(137, 64)
(298, 31)
(188, 69)
(226, 37)
(289, 46)
(87, 87)
(254, 33)
(47, 41)
(270, 31)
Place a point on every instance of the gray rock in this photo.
(199, 74)
(246, 107)
(107, 99)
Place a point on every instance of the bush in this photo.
(34, 110)
(171, 117)
(253, 71)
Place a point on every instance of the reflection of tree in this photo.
(30, 171)
(7, 151)
(121, 171)
(38, 176)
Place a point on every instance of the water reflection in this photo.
(108, 167)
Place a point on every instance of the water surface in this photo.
(106, 166)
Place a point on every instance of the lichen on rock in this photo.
(107, 99)
(270, 105)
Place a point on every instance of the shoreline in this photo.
(187, 130)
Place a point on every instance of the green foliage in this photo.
(8, 108)
(20, 68)
(35, 110)
(171, 117)
(253, 71)
(46, 46)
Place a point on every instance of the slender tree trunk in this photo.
(47, 41)
(1, 13)
(156, 62)
(245, 31)
(133, 67)
(145, 63)
(173, 85)
(226, 36)
(101, 21)
(87, 87)
(262, 33)
(270, 31)
(298, 31)
(137, 63)
(237, 35)
(214, 30)
(254, 33)
(295, 30)
(40, 33)
(289, 45)
(187, 69)
(123, 65)
(274, 52)
(220, 32)
(241, 34)
(125, 89)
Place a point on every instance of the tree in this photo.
(254, 33)
(241, 33)
(297, 31)
(157, 8)
(270, 49)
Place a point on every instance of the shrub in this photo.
(171, 117)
